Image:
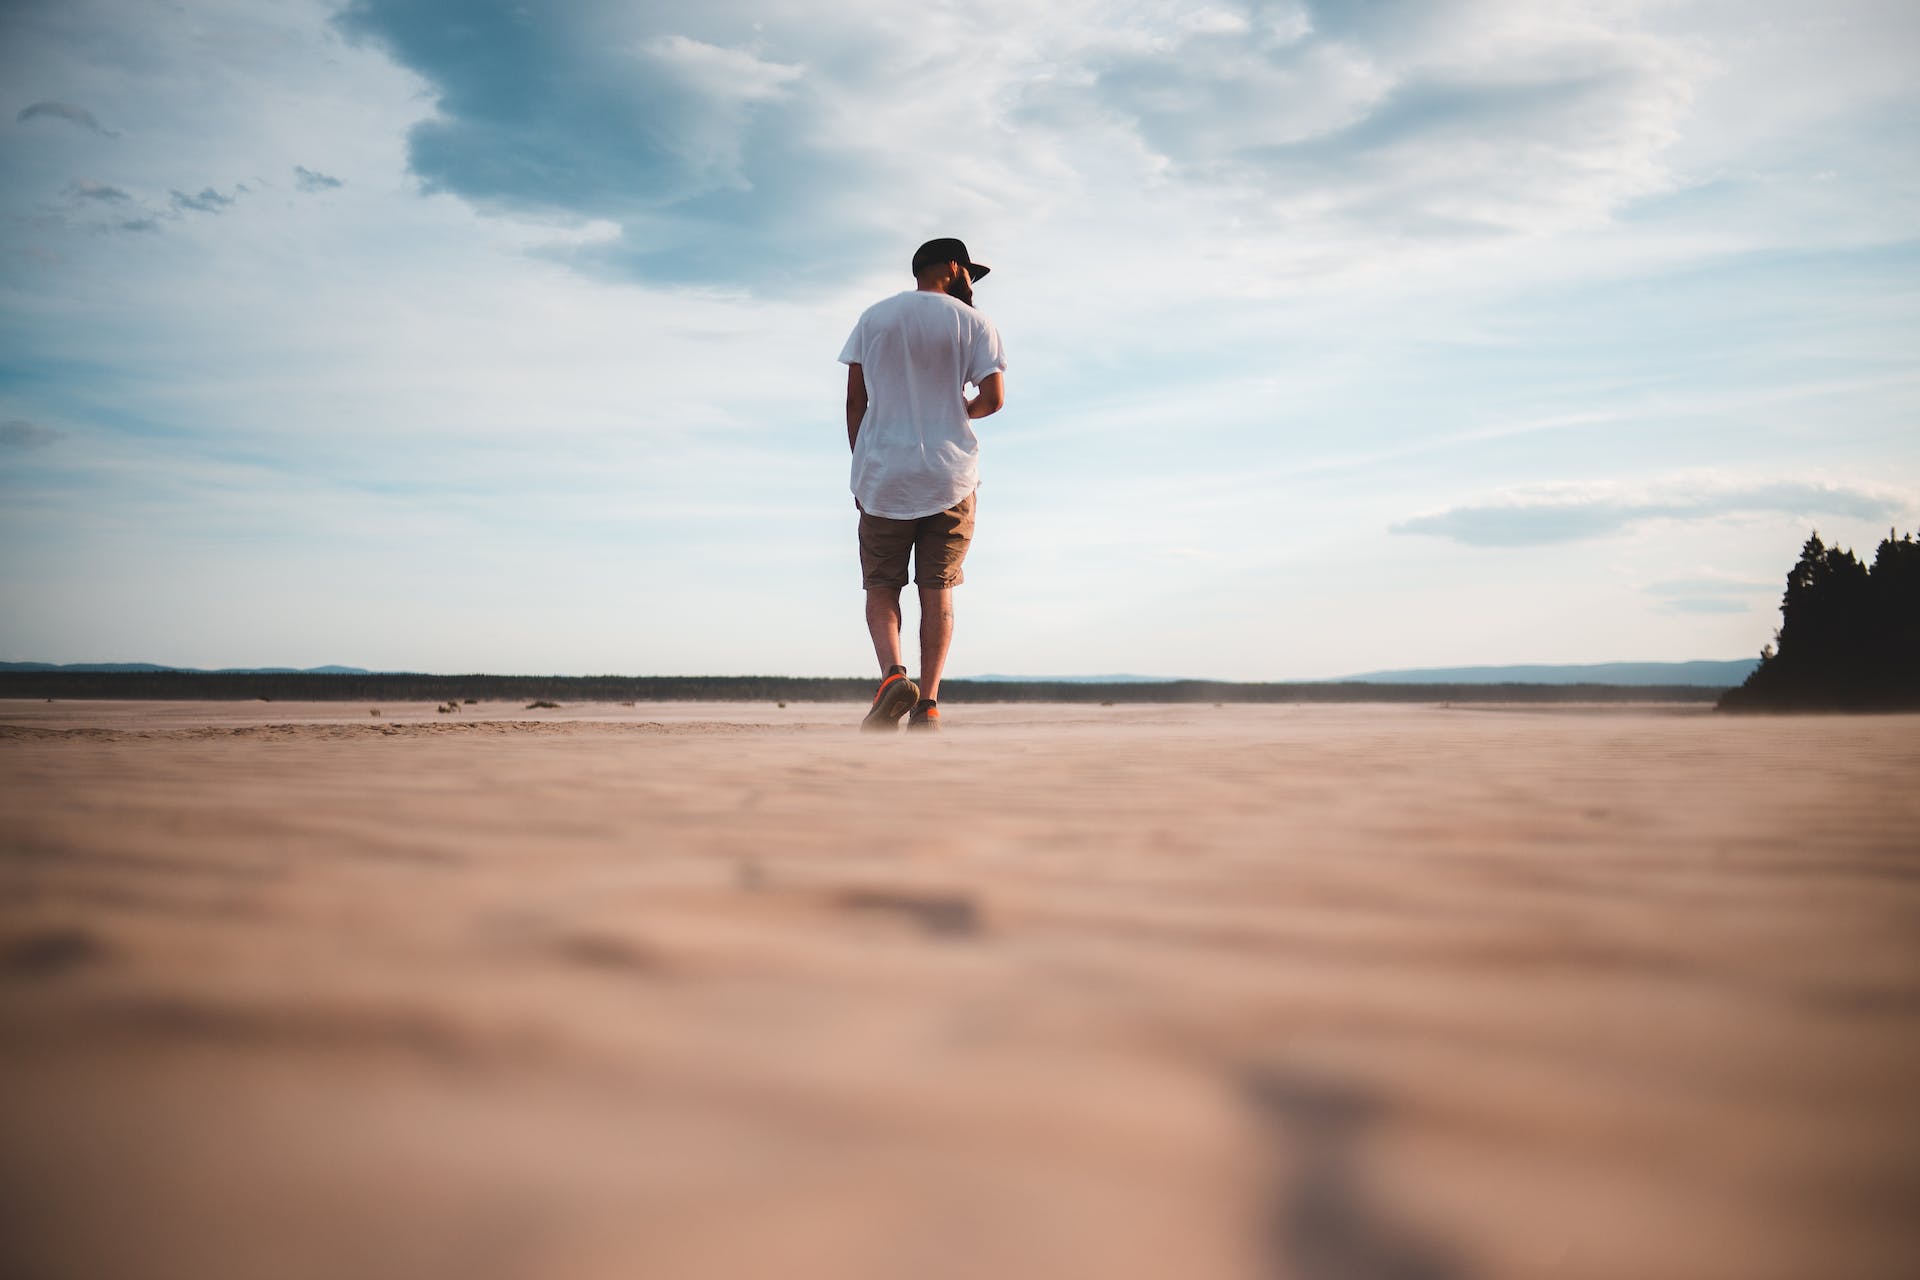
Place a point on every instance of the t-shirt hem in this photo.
(867, 508)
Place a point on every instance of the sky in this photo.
(462, 336)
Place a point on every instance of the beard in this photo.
(960, 289)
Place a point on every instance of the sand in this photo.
(1366, 993)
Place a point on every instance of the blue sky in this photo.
(460, 336)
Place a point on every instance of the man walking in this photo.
(916, 461)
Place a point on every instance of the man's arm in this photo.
(993, 394)
(856, 402)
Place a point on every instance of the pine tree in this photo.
(1849, 636)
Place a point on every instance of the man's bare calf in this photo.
(936, 632)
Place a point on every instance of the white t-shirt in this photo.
(916, 452)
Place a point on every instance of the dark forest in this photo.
(1849, 637)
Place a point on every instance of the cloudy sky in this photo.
(455, 335)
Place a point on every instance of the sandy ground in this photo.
(1340, 993)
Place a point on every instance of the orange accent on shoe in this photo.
(896, 696)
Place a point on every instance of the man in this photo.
(915, 461)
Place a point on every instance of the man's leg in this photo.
(940, 548)
(885, 548)
(936, 634)
(897, 694)
(883, 624)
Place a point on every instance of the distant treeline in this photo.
(1849, 637)
(401, 687)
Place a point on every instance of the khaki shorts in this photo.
(938, 544)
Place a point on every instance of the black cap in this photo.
(946, 249)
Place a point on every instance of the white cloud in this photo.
(720, 73)
(1709, 583)
(87, 189)
(1216, 22)
(1573, 513)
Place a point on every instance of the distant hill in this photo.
(1712, 675)
(154, 666)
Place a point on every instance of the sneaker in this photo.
(925, 716)
(895, 698)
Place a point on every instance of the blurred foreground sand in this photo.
(1342, 993)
